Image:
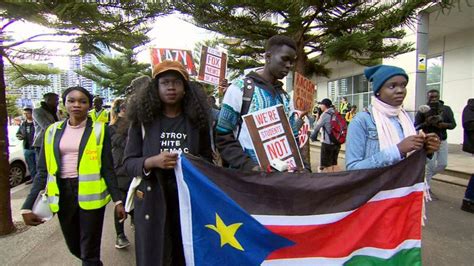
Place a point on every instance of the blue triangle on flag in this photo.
(222, 232)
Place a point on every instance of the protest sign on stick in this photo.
(185, 57)
(273, 138)
(303, 99)
(303, 95)
(212, 66)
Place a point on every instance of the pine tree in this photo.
(324, 31)
(113, 24)
(115, 72)
(22, 75)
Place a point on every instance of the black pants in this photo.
(174, 254)
(82, 229)
(329, 154)
(118, 225)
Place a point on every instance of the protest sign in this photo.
(303, 134)
(185, 57)
(272, 137)
(213, 65)
(303, 95)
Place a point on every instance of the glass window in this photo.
(345, 86)
(360, 84)
(434, 73)
(355, 89)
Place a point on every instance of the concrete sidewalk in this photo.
(44, 244)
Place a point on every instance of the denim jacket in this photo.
(362, 145)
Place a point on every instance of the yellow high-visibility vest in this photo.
(102, 117)
(343, 107)
(93, 193)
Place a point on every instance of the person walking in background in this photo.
(329, 149)
(118, 135)
(168, 115)
(351, 114)
(44, 116)
(99, 113)
(468, 146)
(214, 108)
(385, 134)
(437, 120)
(76, 167)
(344, 106)
(26, 133)
(264, 90)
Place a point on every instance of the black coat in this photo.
(468, 125)
(106, 171)
(118, 136)
(151, 210)
(447, 116)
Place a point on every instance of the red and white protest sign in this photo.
(272, 137)
(303, 93)
(303, 133)
(185, 57)
(212, 66)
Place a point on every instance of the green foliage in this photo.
(115, 72)
(120, 25)
(331, 30)
(12, 108)
(24, 75)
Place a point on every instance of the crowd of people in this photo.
(90, 158)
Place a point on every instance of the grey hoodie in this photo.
(324, 122)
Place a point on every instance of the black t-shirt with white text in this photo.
(173, 137)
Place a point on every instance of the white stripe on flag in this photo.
(369, 251)
(333, 217)
(185, 214)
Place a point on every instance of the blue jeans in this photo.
(439, 161)
(30, 158)
(470, 189)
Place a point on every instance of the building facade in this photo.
(443, 59)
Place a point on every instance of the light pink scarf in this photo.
(388, 135)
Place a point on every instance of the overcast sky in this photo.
(168, 32)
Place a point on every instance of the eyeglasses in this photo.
(169, 82)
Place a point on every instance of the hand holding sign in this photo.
(272, 138)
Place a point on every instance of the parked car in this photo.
(18, 167)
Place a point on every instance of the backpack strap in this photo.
(332, 138)
(249, 88)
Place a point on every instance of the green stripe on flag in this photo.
(404, 257)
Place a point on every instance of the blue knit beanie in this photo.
(381, 73)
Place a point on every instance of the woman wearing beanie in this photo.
(385, 134)
(174, 117)
(76, 166)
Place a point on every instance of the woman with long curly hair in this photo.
(168, 115)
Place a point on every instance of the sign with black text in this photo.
(213, 65)
(303, 95)
(273, 138)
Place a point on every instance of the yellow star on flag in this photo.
(227, 233)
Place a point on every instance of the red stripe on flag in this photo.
(380, 224)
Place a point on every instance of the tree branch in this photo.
(7, 24)
(16, 67)
(30, 39)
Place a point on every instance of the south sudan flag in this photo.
(364, 217)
